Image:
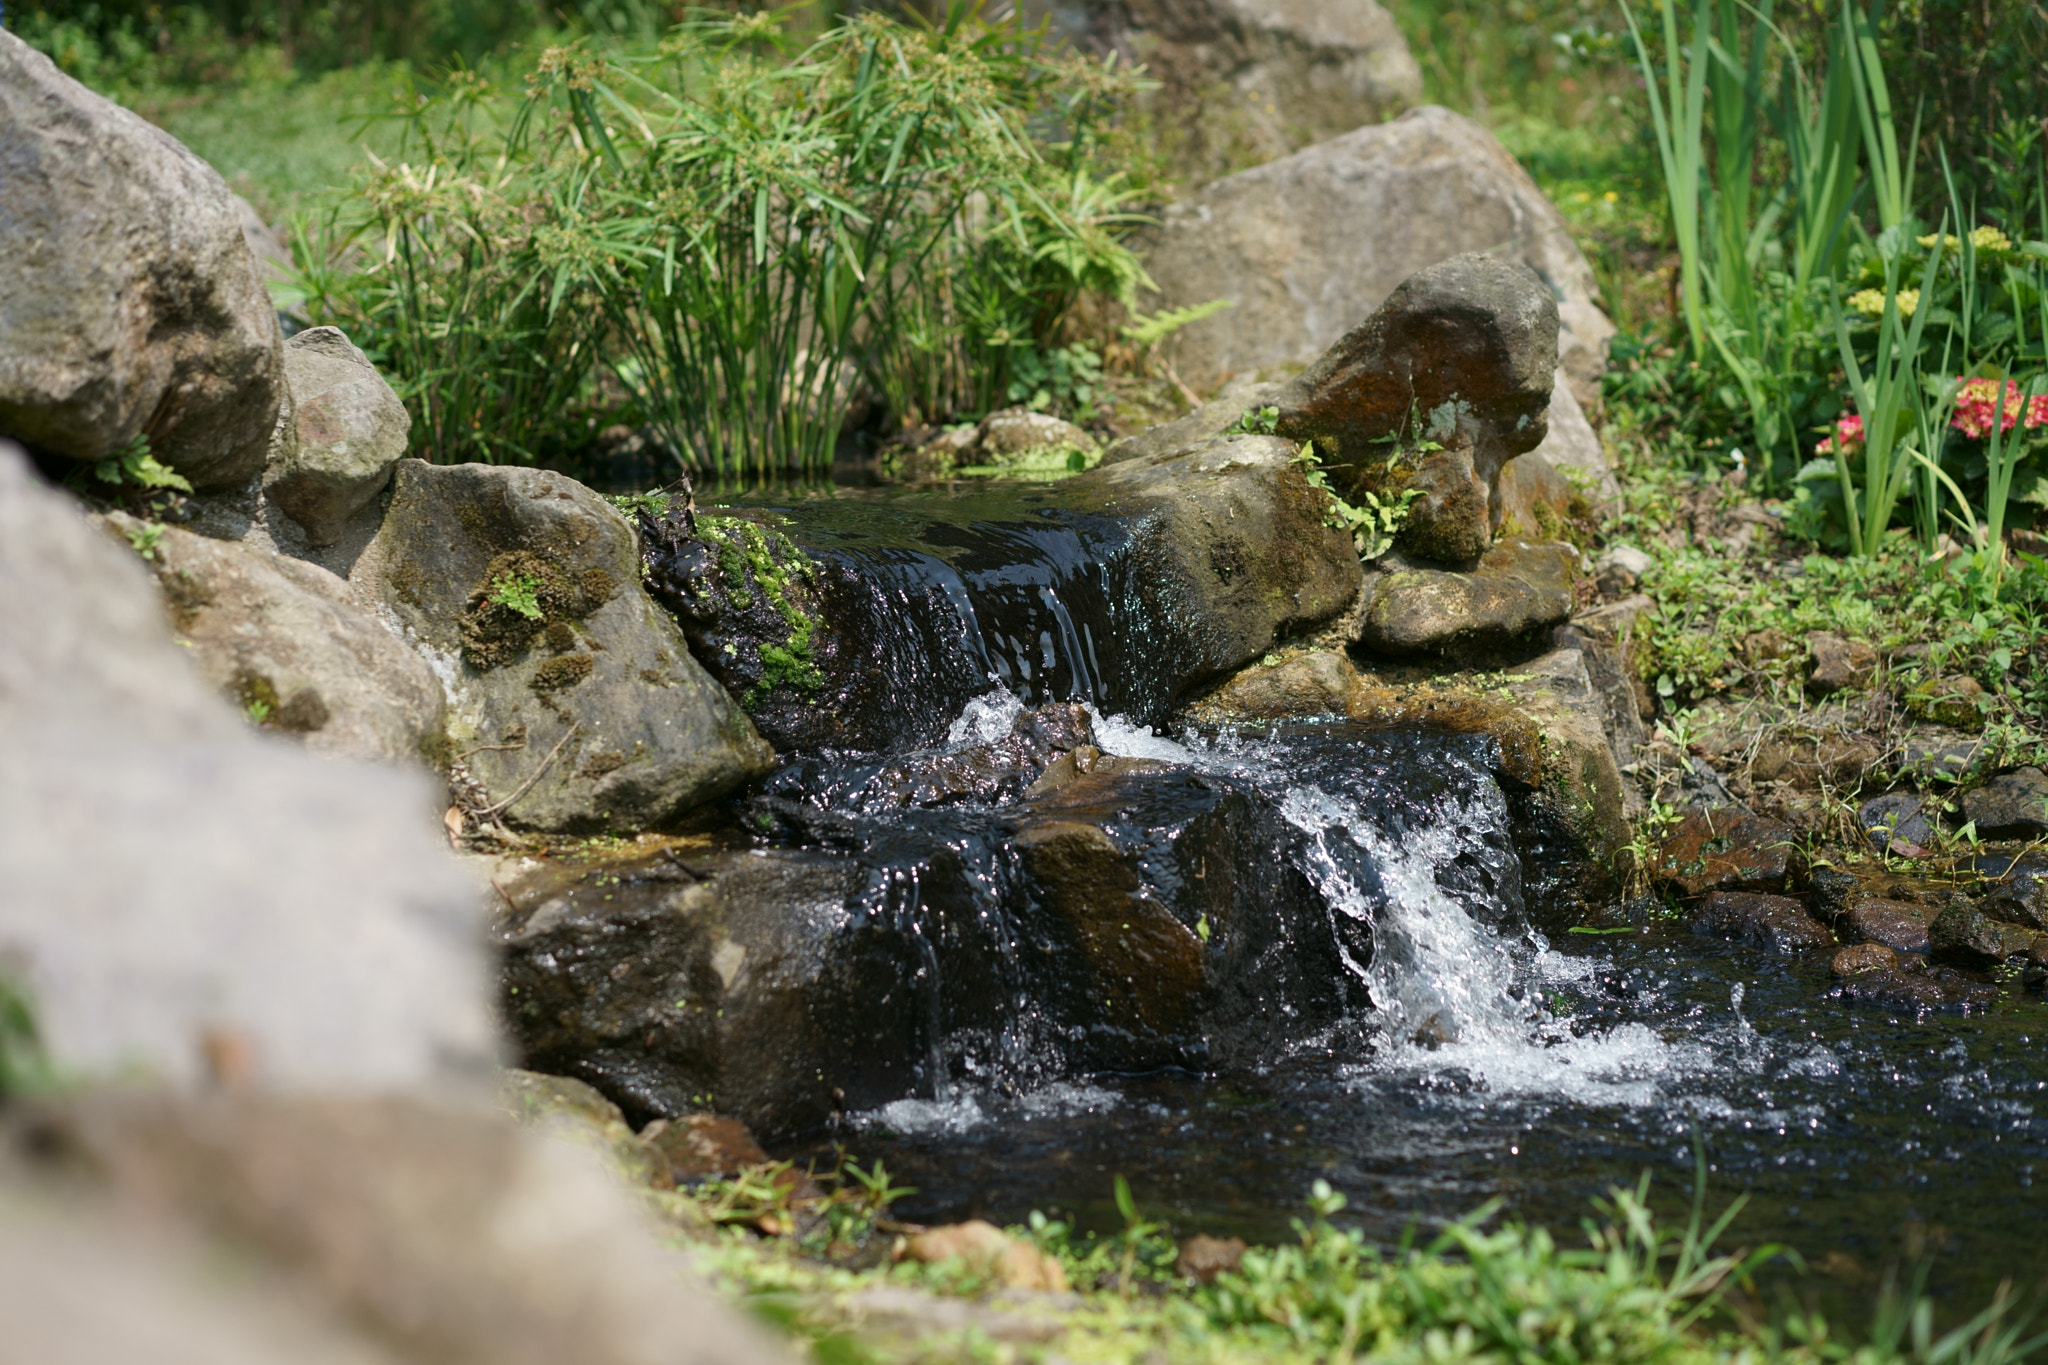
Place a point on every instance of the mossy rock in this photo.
(573, 697)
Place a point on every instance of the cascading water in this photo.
(1297, 954)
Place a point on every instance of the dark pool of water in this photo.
(1864, 1141)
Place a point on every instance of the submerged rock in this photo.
(573, 699)
(130, 304)
(1775, 922)
(1135, 913)
(342, 432)
(288, 644)
(1862, 957)
(1447, 381)
(1127, 586)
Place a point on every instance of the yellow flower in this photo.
(1949, 243)
(1870, 302)
(1611, 197)
(1989, 238)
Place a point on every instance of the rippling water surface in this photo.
(1538, 1072)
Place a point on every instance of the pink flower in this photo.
(1977, 399)
(1848, 434)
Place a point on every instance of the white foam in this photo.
(985, 719)
(954, 1117)
(1121, 736)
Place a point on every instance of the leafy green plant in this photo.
(519, 593)
(144, 537)
(767, 235)
(1063, 380)
(133, 467)
(24, 1066)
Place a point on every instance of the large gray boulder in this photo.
(288, 644)
(343, 431)
(1306, 246)
(130, 303)
(573, 699)
(179, 887)
(1444, 384)
(1244, 81)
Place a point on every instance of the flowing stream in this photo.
(1397, 1013)
(1501, 1064)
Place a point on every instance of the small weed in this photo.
(24, 1066)
(144, 537)
(520, 593)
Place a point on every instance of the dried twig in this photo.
(489, 812)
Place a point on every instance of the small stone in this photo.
(1516, 590)
(1952, 701)
(989, 1250)
(1806, 761)
(1620, 569)
(1858, 958)
(1305, 685)
(1834, 663)
(2011, 805)
(2019, 895)
(343, 431)
(1203, 1257)
(1727, 850)
(1833, 892)
(1898, 925)
(1965, 936)
(699, 1146)
(1775, 922)
(1914, 993)
(1894, 818)
(1766, 646)
(1939, 754)
(1014, 431)
(1463, 355)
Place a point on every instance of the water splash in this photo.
(985, 719)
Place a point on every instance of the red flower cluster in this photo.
(1977, 399)
(1848, 434)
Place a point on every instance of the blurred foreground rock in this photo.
(271, 951)
(174, 877)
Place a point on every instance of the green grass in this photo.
(283, 143)
(1623, 1288)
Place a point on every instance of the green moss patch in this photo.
(523, 596)
(752, 558)
(565, 670)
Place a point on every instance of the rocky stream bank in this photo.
(337, 780)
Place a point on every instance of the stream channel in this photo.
(1426, 1042)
